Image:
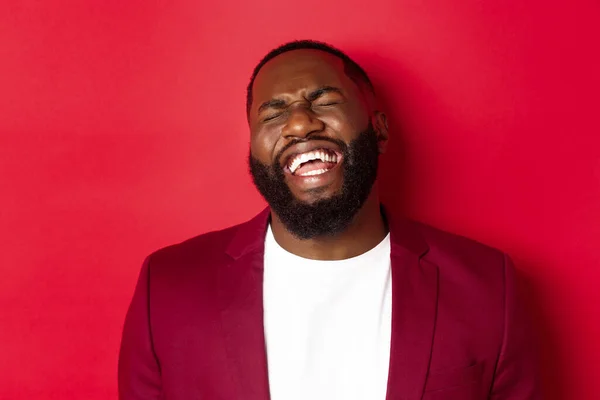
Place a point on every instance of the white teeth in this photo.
(310, 156)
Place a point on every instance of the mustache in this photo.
(340, 143)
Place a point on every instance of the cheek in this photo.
(359, 117)
(348, 124)
(263, 146)
(351, 116)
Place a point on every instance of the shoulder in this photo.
(446, 245)
(463, 262)
(199, 255)
(206, 246)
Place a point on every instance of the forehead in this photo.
(296, 70)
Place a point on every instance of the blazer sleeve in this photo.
(516, 376)
(139, 370)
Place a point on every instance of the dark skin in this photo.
(302, 94)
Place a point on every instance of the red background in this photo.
(122, 129)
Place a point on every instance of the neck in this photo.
(366, 231)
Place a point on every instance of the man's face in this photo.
(313, 150)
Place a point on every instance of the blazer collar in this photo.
(250, 236)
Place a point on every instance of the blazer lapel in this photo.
(414, 309)
(241, 300)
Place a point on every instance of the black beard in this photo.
(329, 216)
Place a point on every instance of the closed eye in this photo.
(271, 117)
(333, 103)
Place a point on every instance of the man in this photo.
(326, 294)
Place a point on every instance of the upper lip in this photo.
(305, 147)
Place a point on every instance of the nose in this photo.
(301, 123)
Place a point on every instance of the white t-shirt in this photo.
(327, 324)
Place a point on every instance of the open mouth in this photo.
(314, 162)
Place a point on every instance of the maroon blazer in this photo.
(194, 329)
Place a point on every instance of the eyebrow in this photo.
(273, 103)
(312, 96)
(315, 94)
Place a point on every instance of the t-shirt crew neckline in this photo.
(275, 247)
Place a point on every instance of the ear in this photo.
(380, 124)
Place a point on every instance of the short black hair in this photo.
(352, 69)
